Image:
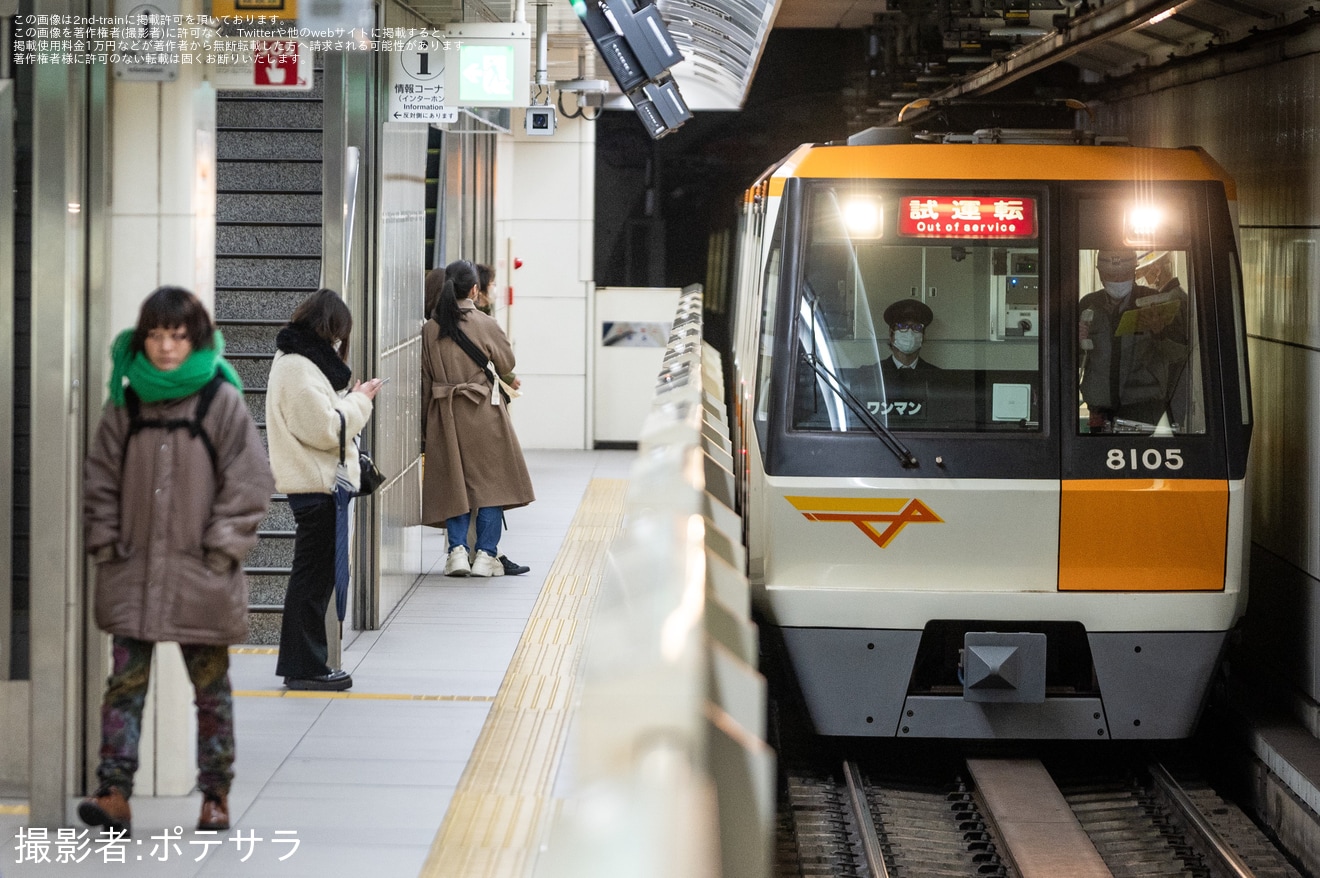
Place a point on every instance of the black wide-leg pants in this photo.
(303, 647)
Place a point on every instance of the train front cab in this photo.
(1041, 565)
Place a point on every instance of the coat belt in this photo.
(473, 390)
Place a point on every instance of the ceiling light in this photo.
(1026, 30)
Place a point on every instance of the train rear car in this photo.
(993, 415)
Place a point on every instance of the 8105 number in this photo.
(1150, 459)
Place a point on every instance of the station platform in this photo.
(360, 782)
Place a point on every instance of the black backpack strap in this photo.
(134, 406)
(194, 426)
(203, 406)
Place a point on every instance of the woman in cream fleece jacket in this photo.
(306, 396)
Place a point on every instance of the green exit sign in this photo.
(486, 74)
(487, 65)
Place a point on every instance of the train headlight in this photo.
(862, 216)
(1143, 225)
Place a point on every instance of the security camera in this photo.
(540, 121)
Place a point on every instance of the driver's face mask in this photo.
(907, 341)
(1118, 288)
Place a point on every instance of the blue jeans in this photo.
(490, 520)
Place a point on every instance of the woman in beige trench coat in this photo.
(474, 462)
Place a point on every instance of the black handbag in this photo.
(370, 477)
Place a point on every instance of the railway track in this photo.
(1010, 818)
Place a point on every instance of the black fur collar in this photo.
(297, 338)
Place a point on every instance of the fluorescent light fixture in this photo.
(1025, 30)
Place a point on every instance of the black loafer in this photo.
(335, 681)
(512, 569)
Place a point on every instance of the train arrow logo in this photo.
(895, 513)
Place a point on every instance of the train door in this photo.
(1145, 471)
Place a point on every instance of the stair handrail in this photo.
(352, 156)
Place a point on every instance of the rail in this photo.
(668, 772)
(1227, 859)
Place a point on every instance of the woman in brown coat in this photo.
(174, 486)
(474, 462)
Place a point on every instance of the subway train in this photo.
(991, 414)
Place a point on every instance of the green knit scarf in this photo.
(153, 385)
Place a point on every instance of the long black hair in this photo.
(460, 279)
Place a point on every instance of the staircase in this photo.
(268, 259)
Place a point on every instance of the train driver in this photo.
(1134, 347)
(907, 320)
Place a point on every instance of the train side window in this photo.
(769, 303)
(1139, 362)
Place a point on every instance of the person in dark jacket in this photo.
(175, 485)
(1134, 347)
(908, 320)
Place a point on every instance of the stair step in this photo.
(255, 400)
(252, 114)
(264, 627)
(232, 177)
(267, 589)
(251, 239)
(253, 369)
(264, 272)
(272, 552)
(244, 305)
(251, 337)
(276, 146)
(272, 207)
(279, 517)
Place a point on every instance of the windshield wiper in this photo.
(882, 432)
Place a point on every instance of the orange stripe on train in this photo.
(895, 513)
(1143, 534)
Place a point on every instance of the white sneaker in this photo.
(485, 565)
(456, 564)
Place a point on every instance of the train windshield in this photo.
(920, 307)
(1139, 367)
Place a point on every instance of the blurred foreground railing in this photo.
(667, 771)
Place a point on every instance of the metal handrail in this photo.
(352, 159)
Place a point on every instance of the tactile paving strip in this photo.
(503, 806)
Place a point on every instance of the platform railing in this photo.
(667, 772)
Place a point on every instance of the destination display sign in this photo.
(969, 216)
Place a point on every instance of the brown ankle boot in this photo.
(215, 812)
(108, 808)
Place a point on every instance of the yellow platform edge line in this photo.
(379, 696)
(500, 778)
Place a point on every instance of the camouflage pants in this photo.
(121, 713)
